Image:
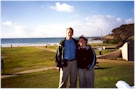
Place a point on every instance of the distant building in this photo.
(127, 50)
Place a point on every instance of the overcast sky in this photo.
(22, 19)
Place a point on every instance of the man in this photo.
(66, 60)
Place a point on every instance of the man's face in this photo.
(69, 33)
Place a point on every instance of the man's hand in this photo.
(58, 68)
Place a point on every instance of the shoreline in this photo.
(41, 44)
(24, 45)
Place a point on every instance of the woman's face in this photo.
(81, 42)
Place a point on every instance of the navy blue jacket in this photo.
(86, 58)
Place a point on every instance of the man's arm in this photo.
(58, 57)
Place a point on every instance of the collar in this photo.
(87, 47)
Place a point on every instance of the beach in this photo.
(24, 45)
(21, 42)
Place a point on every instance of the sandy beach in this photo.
(43, 44)
(24, 45)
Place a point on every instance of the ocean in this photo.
(8, 42)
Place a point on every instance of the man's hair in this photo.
(70, 28)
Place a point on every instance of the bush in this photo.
(112, 41)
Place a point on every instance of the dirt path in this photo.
(28, 71)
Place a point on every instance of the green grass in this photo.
(52, 47)
(44, 79)
(108, 73)
(105, 51)
(24, 58)
(104, 44)
(106, 76)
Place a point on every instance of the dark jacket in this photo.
(60, 52)
(86, 58)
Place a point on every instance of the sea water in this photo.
(8, 42)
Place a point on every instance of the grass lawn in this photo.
(24, 58)
(43, 79)
(111, 71)
(104, 44)
(52, 47)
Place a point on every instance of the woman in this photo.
(86, 60)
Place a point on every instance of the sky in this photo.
(30, 19)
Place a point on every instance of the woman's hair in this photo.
(82, 36)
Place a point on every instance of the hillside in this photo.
(124, 32)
